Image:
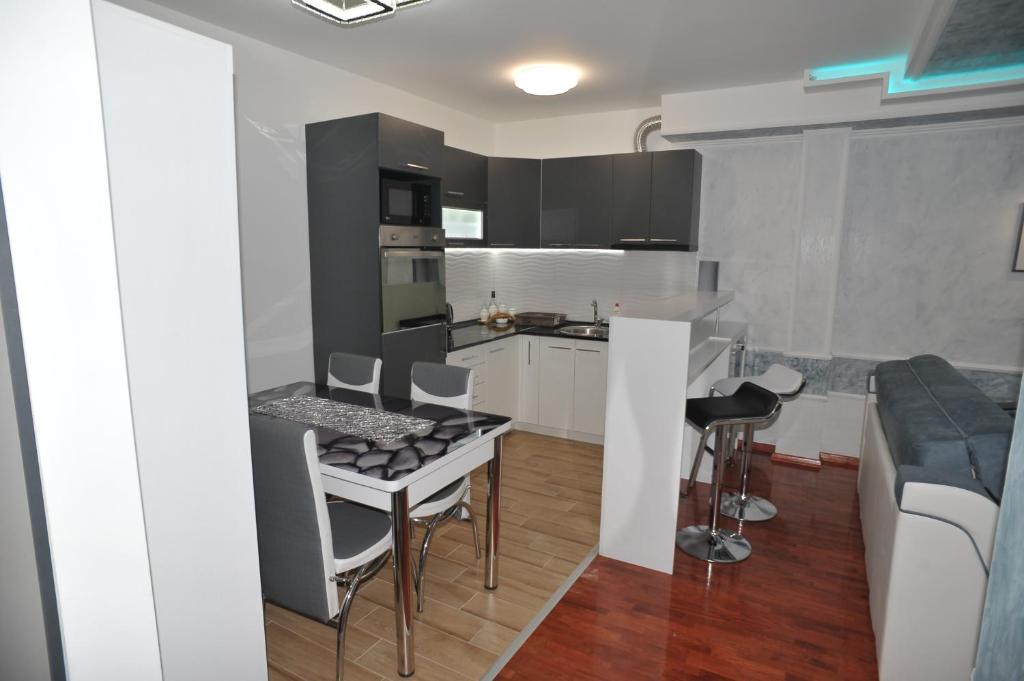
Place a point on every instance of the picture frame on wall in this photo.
(1018, 259)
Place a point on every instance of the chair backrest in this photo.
(449, 386)
(292, 526)
(760, 402)
(353, 372)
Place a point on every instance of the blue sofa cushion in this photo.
(935, 418)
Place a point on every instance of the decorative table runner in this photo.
(350, 419)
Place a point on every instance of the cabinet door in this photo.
(631, 198)
(501, 378)
(474, 358)
(590, 381)
(463, 179)
(559, 211)
(593, 200)
(409, 147)
(555, 385)
(675, 198)
(513, 202)
(529, 379)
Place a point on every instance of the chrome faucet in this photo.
(597, 320)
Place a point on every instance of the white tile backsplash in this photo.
(564, 280)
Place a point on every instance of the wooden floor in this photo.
(551, 494)
(796, 609)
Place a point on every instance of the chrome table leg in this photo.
(493, 511)
(401, 545)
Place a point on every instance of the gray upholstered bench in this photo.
(933, 460)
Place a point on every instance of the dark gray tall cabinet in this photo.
(576, 202)
(513, 202)
(344, 159)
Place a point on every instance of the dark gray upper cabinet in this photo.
(409, 147)
(594, 191)
(513, 202)
(631, 197)
(675, 199)
(656, 200)
(559, 210)
(576, 202)
(463, 178)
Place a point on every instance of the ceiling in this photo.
(460, 52)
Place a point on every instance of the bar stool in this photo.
(787, 384)
(749, 404)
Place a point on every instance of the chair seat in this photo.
(441, 500)
(359, 534)
(750, 401)
(781, 380)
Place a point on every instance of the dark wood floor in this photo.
(796, 609)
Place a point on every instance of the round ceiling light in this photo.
(546, 79)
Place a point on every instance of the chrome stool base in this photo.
(720, 546)
(752, 509)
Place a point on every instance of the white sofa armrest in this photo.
(969, 509)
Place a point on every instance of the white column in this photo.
(169, 113)
(54, 171)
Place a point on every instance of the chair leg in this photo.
(472, 520)
(743, 505)
(369, 569)
(697, 458)
(420, 577)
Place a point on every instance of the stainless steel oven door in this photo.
(412, 288)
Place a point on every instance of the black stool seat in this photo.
(750, 401)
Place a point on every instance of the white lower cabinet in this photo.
(556, 381)
(562, 384)
(590, 382)
(502, 377)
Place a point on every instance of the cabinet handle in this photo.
(529, 354)
(417, 166)
(670, 241)
(452, 192)
(558, 347)
(585, 350)
(559, 245)
(494, 350)
(632, 239)
(590, 245)
(499, 245)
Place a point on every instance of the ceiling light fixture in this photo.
(546, 79)
(348, 12)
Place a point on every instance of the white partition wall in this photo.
(169, 117)
(57, 200)
(648, 362)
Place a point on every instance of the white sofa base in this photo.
(927, 567)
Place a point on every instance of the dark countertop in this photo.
(467, 334)
(451, 429)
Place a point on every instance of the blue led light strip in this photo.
(894, 68)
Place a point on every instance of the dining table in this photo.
(393, 470)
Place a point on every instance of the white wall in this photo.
(276, 94)
(176, 230)
(609, 132)
(929, 230)
(54, 170)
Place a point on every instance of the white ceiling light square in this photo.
(348, 12)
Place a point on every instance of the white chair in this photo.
(448, 386)
(307, 546)
(354, 372)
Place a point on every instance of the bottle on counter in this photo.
(492, 308)
(484, 314)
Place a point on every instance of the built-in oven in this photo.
(413, 303)
(407, 201)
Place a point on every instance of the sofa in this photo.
(933, 458)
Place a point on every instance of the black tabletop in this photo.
(387, 460)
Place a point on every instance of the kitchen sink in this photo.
(584, 331)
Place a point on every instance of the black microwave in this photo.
(406, 202)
